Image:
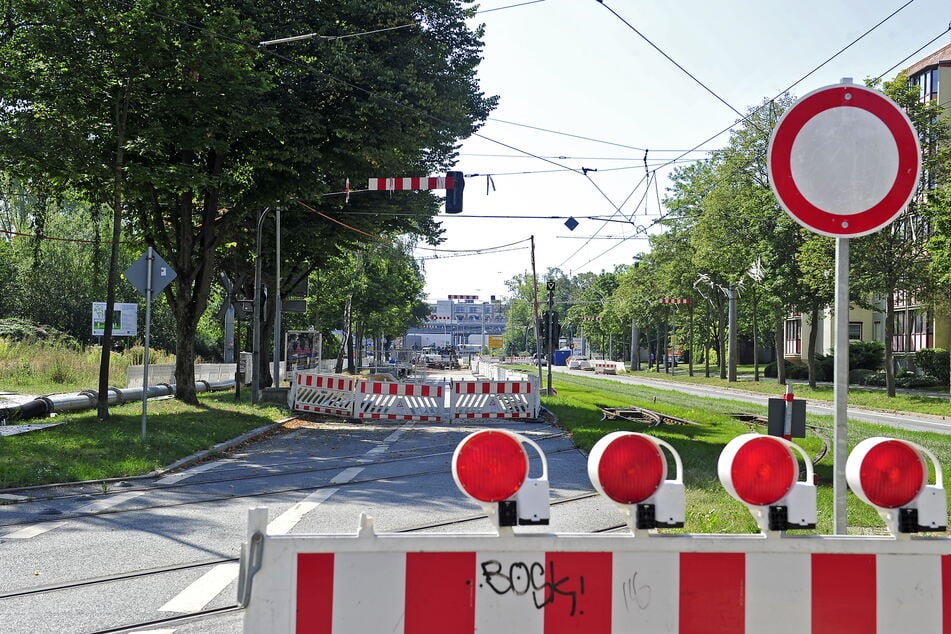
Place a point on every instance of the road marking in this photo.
(287, 520)
(187, 473)
(346, 475)
(13, 498)
(197, 595)
(33, 531)
(95, 507)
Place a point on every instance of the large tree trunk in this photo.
(780, 343)
(889, 334)
(721, 341)
(121, 114)
(811, 347)
(344, 343)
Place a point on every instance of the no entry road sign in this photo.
(844, 160)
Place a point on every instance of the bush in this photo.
(910, 379)
(875, 380)
(933, 362)
(860, 376)
(866, 355)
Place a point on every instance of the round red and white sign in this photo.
(844, 161)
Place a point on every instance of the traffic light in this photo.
(454, 194)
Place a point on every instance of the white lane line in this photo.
(99, 505)
(33, 531)
(377, 450)
(197, 595)
(109, 502)
(283, 523)
(346, 475)
(13, 498)
(187, 473)
(200, 593)
(399, 432)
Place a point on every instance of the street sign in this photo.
(844, 160)
(162, 273)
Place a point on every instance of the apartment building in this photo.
(916, 325)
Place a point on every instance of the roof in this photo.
(941, 57)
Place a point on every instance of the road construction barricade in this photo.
(390, 400)
(323, 394)
(605, 367)
(494, 399)
(591, 583)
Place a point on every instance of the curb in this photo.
(178, 464)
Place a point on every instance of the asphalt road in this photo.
(318, 478)
(63, 548)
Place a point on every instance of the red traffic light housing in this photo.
(454, 192)
(492, 468)
(892, 476)
(631, 470)
(762, 471)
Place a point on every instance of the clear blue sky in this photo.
(575, 68)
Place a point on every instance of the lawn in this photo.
(86, 449)
(709, 508)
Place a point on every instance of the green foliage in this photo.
(934, 362)
(85, 449)
(866, 355)
(14, 329)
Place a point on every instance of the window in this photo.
(794, 336)
(855, 331)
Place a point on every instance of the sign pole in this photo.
(841, 385)
(149, 260)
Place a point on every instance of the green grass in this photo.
(709, 507)
(85, 449)
(37, 367)
(922, 401)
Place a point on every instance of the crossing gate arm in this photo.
(594, 583)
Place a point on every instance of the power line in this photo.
(670, 59)
(511, 6)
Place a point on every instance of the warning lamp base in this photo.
(778, 520)
(648, 516)
(508, 513)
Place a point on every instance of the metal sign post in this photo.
(149, 274)
(844, 161)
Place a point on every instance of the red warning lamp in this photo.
(762, 471)
(631, 470)
(492, 468)
(892, 476)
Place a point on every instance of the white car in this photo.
(578, 363)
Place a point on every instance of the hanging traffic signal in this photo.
(454, 193)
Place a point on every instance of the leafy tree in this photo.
(897, 258)
(170, 108)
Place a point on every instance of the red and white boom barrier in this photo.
(536, 583)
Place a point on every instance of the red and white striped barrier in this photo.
(388, 400)
(493, 399)
(410, 183)
(607, 367)
(597, 584)
(323, 394)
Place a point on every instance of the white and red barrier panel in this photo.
(606, 367)
(324, 394)
(600, 584)
(494, 399)
(389, 400)
(412, 183)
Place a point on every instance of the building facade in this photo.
(917, 326)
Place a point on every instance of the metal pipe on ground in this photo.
(44, 406)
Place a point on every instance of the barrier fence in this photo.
(343, 395)
(595, 584)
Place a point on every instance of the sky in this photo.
(585, 85)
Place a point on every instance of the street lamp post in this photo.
(256, 337)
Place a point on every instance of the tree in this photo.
(172, 108)
(897, 258)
